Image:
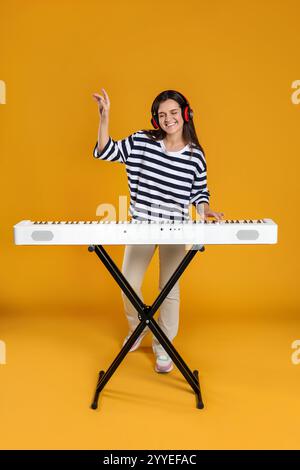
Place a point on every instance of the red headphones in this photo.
(187, 112)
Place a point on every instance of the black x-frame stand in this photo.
(145, 315)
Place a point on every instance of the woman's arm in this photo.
(104, 108)
(103, 134)
(106, 148)
(201, 194)
(204, 211)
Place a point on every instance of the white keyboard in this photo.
(240, 232)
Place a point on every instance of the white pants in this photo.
(135, 263)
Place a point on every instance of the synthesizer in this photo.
(134, 232)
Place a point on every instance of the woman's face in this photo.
(170, 117)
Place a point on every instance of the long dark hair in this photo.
(189, 132)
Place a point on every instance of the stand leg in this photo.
(94, 405)
(175, 356)
(105, 376)
(199, 404)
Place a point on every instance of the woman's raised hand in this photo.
(103, 102)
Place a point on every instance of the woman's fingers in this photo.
(216, 215)
(98, 98)
(106, 98)
(105, 94)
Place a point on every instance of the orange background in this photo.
(61, 313)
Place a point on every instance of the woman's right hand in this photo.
(104, 103)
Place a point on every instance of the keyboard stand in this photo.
(145, 315)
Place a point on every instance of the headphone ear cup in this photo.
(154, 123)
(186, 114)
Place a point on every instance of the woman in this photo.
(166, 170)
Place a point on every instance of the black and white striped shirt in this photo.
(162, 184)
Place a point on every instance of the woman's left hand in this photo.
(216, 215)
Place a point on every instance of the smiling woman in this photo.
(166, 170)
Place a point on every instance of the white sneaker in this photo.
(163, 363)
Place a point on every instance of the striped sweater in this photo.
(162, 184)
